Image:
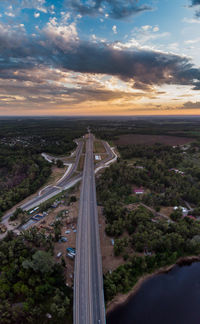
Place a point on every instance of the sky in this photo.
(99, 57)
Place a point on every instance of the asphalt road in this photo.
(89, 305)
(53, 190)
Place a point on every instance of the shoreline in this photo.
(121, 299)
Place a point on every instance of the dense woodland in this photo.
(22, 169)
(164, 187)
(52, 135)
(110, 128)
(145, 241)
(32, 284)
(22, 172)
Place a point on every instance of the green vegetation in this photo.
(59, 164)
(22, 168)
(98, 147)
(22, 172)
(165, 186)
(52, 135)
(32, 284)
(148, 242)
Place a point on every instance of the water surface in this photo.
(170, 298)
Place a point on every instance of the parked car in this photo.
(59, 254)
(62, 239)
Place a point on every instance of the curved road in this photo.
(52, 190)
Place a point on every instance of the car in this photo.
(67, 232)
(62, 239)
(59, 254)
(70, 255)
(71, 251)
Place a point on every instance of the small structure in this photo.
(183, 209)
(97, 157)
(139, 191)
(192, 217)
(177, 171)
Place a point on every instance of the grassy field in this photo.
(81, 163)
(152, 139)
(98, 147)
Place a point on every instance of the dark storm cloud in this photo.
(146, 67)
(117, 9)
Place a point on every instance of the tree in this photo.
(60, 163)
(15, 215)
(41, 262)
(73, 199)
(176, 215)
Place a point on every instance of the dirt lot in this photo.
(152, 139)
(166, 211)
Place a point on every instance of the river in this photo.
(167, 298)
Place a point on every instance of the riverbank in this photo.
(124, 298)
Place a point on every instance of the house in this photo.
(139, 191)
(192, 217)
(177, 171)
(97, 157)
(183, 209)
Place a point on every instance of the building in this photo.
(177, 171)
(139, 191)
(183, 209)
(97, 157)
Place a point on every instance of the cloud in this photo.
(191, 20)
(191, 105)
(59, 47)
(61, 35)
(114, 29)
(36, 14)
(17, 5)
(196, 3)
(117, 9)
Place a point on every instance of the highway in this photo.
(89, 305)
(52, 190)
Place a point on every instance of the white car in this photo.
(59, 254)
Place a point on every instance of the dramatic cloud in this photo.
(59, 47)
(117, 9)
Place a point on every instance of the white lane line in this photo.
(66, 172)
(46, 157)
(59, 180)
(40, 192)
